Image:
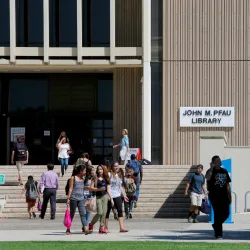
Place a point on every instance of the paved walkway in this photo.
(140, 230)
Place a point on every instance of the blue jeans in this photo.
(64, 164)
(88, 214)
(137, 193)
(81, 208)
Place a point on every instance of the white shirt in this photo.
(115, 186)
(62, 152)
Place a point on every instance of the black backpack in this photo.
(67, 186)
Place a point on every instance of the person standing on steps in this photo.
(196, 185)
(219, 193)
(63, 154)
(138, 174)
(124, 145)
(49, 183)
(84, 160)
(63, 134)
(20, 155)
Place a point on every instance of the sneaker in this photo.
(126, 217)
(135, 204)
(40, 216)
(91, 228)
(34, 215)
(102, 230)
(190, 219)
(195, 221)
(130, 216)
(219, 238)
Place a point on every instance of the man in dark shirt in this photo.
(218, 182)
(20, 155)
(196, 184)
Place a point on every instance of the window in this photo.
(63, 23)
(28, 94)
(29, 23)
(105, 96)
(5, 23)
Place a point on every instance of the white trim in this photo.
(146, 86)
(112, 31)
(72, 51)
(46, 30)
(12, 30)
(79, 31)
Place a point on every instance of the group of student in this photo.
(111, 187)
(108, 183)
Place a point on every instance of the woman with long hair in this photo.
(117, 192)
(63, 134)
(33, 186)
(89, 179)
(63, 154)
(76, 197)
(124, 145)
(102, 182)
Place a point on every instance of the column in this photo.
(79, 31)
(146, 81)
(12, 30)
(112, 31)
(46, 30)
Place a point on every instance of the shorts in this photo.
(19, 165)
(196, 199)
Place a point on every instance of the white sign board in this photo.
(206, 116)
(46, 132)
(16, 132)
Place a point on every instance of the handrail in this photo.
(235, 201)
(248, 192)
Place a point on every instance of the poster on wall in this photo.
(206, 116)
(17, 133)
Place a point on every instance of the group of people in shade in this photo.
(219, 193)
(108, 183)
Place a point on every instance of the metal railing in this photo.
(235, 201)
(246, 195)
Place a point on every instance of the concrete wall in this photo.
(214, 143)
(205, 63)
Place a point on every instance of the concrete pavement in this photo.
(140, 230)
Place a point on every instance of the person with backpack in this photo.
(196, 186)
(20, 155)
(130, 189)
(138, 174)
(32, 193)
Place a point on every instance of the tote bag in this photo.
(90, 204)
(67, 219)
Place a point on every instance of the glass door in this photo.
(102, 140)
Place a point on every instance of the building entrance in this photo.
(42, 106)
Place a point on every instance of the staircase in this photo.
(161, 194)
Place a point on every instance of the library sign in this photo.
(206, 116)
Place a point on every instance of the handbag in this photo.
(205, 207)
(90, 204)
(67, 219)
(39, 205)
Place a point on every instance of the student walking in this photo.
(124, 145)
(32, 193)
(63, 154)
(49, 186)
(130, 189)
(218, 182)
(116, 197)
(20, 155)
(196, 185)
(76, 198)
(138, 174)
(102, 187)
